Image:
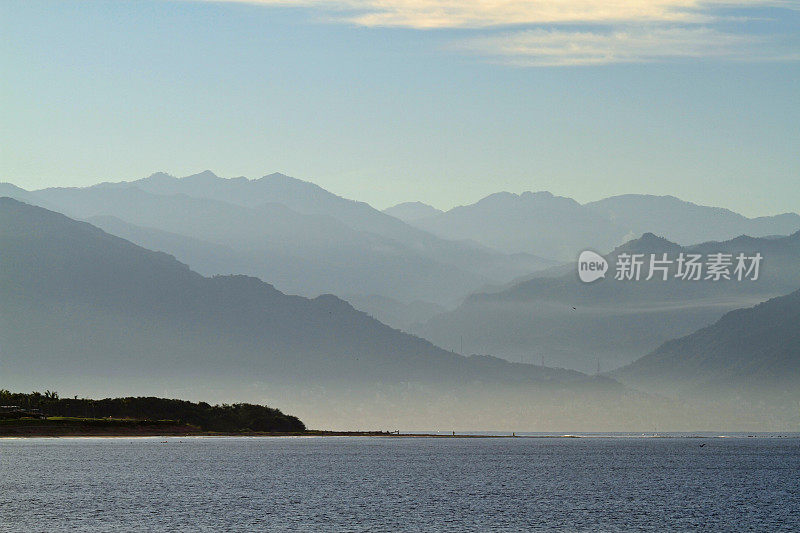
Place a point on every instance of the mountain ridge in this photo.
(379, 246)
(82, 308)
(748, 350)
(558, 317)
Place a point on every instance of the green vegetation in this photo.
(238, 417)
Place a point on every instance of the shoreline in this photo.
(187, 431)
(372, 434)
(65, 427)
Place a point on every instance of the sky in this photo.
(397, 100)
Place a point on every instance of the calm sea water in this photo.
(404, 484)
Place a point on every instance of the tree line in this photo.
(223, 418)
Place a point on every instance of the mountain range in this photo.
(746, 363)
(399, 265)
(687, 223)
(750, 350)
(302, 238)
(90, 312)
(609, 323)
(82, 310)
(560, 228)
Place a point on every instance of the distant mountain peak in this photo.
(629, 196)
(537, 194)
(523, 199)
(410, 211)
(278, 175)
(417, 204)
(652, 237)
(282, 178)
(159, 176)
(647, 243)
(502, 196)
(162, 178)
(205, 175)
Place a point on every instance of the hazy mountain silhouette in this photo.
(688, 223)
(302, 254)
(393, 313)
(210, 258)
(82, 311)
(85, 310)
(10, 190)
(411, 211)
(573, 324)
(300, 237)
(537, 223)
(298, 195)
(558, 227)
(752, 353)
(308, 198)
(51, 260)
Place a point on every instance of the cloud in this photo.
(540, 48)
(487, 13)
(572, 32)
(430, 14)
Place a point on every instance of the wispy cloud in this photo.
(609, 31)
(431, 14)
(487, 13)
(540, 48)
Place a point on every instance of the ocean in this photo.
(344, 484)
